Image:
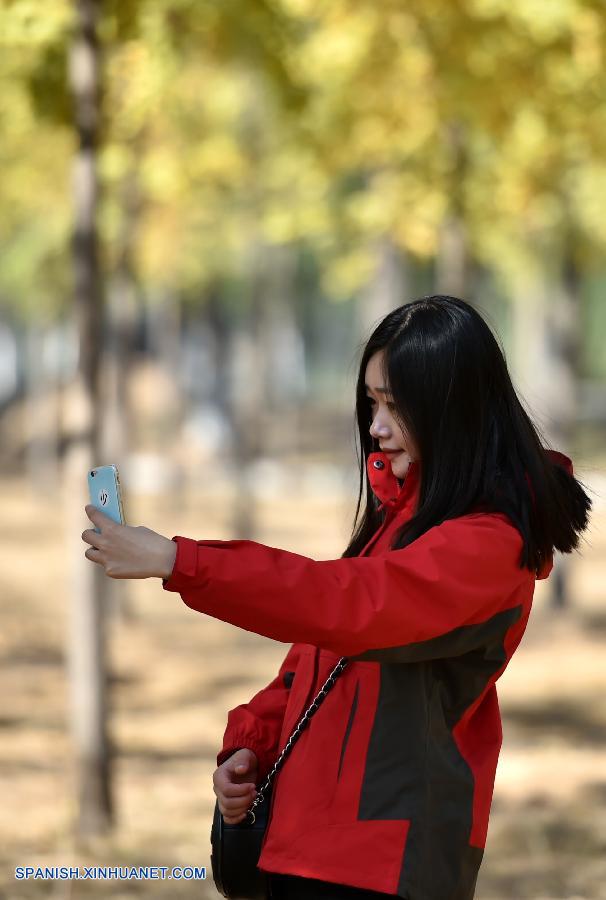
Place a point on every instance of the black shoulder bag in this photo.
(236, 848)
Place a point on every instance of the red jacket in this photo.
(389, 787)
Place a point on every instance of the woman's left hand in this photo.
(127, 551)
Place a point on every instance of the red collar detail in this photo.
(387, 488)
(384, 483)
(561, 460)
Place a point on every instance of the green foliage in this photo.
(229, 125)
(35, 153)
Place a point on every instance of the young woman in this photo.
(388, 790)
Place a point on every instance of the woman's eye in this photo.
(390, 406)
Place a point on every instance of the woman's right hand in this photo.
(234, 783)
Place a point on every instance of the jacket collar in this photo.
(394, 495)
(387, 488)
(384, 483)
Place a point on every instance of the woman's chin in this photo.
(400, 464)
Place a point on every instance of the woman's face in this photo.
(384, 426)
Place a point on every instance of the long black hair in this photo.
(478, 448)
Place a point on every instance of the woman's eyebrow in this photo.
(382, 390)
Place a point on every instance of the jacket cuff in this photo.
(224, 754)
(185, 566)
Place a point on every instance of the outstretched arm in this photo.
(452, 589)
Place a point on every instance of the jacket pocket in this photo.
(352, 713)
(299, 684)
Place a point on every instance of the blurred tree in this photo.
(34, 280)
(122, 124)
(88, 654)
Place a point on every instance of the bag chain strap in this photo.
(301, 725)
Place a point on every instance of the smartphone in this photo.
(105, 492)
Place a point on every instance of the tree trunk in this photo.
(388, 288)
(452, 275)
(166, 348)
(564, 339)
(280, 344)
(546, 354)
(86, 643)
(247, 382)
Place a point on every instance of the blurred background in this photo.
(204, 209)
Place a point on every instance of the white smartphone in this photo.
(105, 492)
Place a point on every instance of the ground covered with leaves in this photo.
(174, 674)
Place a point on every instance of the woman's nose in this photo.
(378, 428)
